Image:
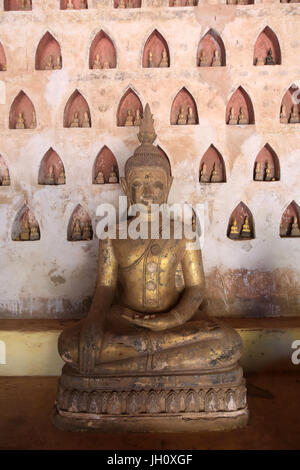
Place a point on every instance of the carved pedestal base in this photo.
(193, 401)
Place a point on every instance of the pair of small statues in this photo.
(21, 124)
(265, 173)
(98, 64)
(28, 231)
(268, 60)
(81, 231)
(126, 4)
(240, 119)
(291, 229)
(53, 178)
(5, 178)
(240, 233)
(186, 118)
(85, 121)
(293, 117)
(213, 176)
(70, 5)
(53, 62)
(164, 62)
(112, 177)
(132, 120)
(204, 61)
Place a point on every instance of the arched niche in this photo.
(22, 113)
(3, 63)
(127, 3)
(183, 3)
(4, 173)
(289, 225)
(73, 4)
(239, 109)
(212, 167)
(166, 156)
(266, 48)
(266, 165)
(184, 109)
(15, 5)
(105, 169)
(102, 52)
(130, 109)
(25, 226)
(48, 54)
(290, 106)
(156, 51)
(77, 111)
(211, 50)
(52, 171)
(80, 225)
(241, 225)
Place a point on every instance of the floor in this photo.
(26, 406)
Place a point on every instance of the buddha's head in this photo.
(147, 173)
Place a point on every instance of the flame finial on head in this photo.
(147, 134)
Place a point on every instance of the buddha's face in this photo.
(148, 186)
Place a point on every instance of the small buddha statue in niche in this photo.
(181, 120)
(137, 120)
(144, 336)
(216, 59)
(216, 174)
(49, 63)
(150, 60)
(283, 115)
(87, 231)
(268, 172)
(99, 178)
(6, 178)
(130, 4)
(283, 231)
(61, 177)
(25, 229)
(106, 64)
(129, 118)
(242, 117)
(70, 5)
(164, 61)
(122, 4)
(258, 172)
(270, 59)
(97, 63)
(234, 231)
(57, 63)
(33, 122)
(76, 231)
(232, 117)
(246, 230)
(204, 176)
(83, 4)
(34, 232)
(50, 176)
(113, 178)
(294, 115)
(190, 3)
(75, 122)
(203, 59)
(86, 120)
(3, 67)
(191, 116)
(260, 61)
(295, 231)
(20, 124)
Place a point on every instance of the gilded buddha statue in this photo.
(146, 358)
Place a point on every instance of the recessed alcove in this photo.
(156, 51)
(102, 52)
(52, 171)
(289, 224)
(22, 113)
(130, 110)
(15, 5)
(127, 3)
(240, 225)
(80, 225)
(73, 4)
(239, 110)
(211, 50)
(105, 168)
(25, 226)
(184, 109)
(266, 165)
(77, 111)
(183, 3)
(290, 106)
(267, 48)
(48, 54)
(166, 156)
(3, 63)
(4, 173)
(212, 167)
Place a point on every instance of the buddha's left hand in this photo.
(155, 322)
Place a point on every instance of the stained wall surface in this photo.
(53, 277)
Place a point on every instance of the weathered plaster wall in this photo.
(55, 278)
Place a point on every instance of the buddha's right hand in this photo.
(90, 345)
